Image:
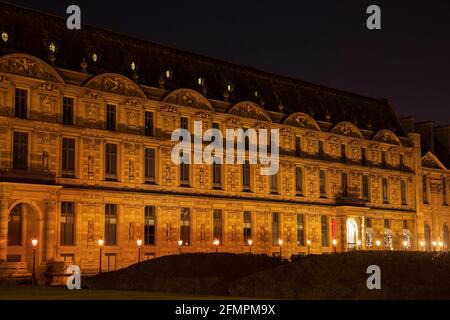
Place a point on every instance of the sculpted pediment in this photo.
(115, 83)
(347, 129)
(250, 110)
(188, 98)
(431, 161)
(387, 136)
(302, 120)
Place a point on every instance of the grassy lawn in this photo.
(62, 293)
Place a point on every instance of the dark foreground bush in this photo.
(404, 275)
(199, 274)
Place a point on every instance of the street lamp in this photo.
(250, 243)
(100, 244)
(405, 244)
(334, 245)
(441, 245)
(422, 245)
(280, 242)
(216, 244)
(139, 244)
(434, 243)
(378, 243)
(358, 245)
(308, 242)
(34, 242)
(180, 244)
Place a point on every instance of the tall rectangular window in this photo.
(217, 176)
(67, 223)
(20, 151)
(149, 165)
(149, 226)
(444, 192)
(363, 156)
(344, 178)
(246, 176)
(300, 230)
(275, 228)
(403, 192)
(185, 227)
(323, 184)
(247, 226)
(321, 150)
(110, 224)
(274, 183)
(184, 175)
(402, 162)
(148, 125)
(387, 224)
(217, 225)
(425, 189)
(21, 103)
(110, 117)
(385, 191)
(383, 159)
(343, 153)
(298, 146)
(68, 157)
(299, 181)
(324, 228)
(365, 187)
(184, 123)
(68, 111)
(111, 162)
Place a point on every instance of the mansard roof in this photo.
(31, 32)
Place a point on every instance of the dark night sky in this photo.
(325, 42)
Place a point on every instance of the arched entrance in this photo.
(352, 234)
(24, 222)
(427, 237)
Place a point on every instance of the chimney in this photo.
(426, 130)
(407, 124)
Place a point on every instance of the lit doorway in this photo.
(352, 234)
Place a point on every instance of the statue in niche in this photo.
(92, 112)
(91, 166)
(202, 233)
(90, 231)
(46, 105)
(45, 161)
(131, 231)
(131, 169)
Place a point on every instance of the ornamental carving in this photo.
(234, 122)
(132, 117)
(347, 129)
(188, 98)
(250, 110)
(28, 66)
(47, 104)
(115, 83)
(387, 136)
(333, 147)
(302, 120)
(430, 161)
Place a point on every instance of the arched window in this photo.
(427, 236)
(15, 226)
(446, 237)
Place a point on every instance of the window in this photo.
(15, 226)
(185, 227)
(444, 192)
(217, 176)
(323, 189)
(274, 183)
(383, 159)
(298, 146)
(320, 149)
(365, 187)
(184, 123)
(68, 111)
(110, 224)
(405, 224)
(21, 97)
(149, 165)
(363, 156)
(298, 181)
(68, 157)
(424, 189)
(111, 117)
(343, 153)
(324, 228)
(368, 222)
(385, 191)
(67, 223)
(111, 162)
(446, 237)
(402, 162)
(20, 151)
(344, 178)
(217, 225)
(387, 224)
(275, 228)
(246, 176)
(184, 175)
(247, 226)
(149, 226)
(300, 230)
(148, 124)
(403, 192)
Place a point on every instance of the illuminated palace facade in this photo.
(85, 154)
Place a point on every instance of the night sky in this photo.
(324, 42)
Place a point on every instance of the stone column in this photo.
(50, 230)
(3, 230)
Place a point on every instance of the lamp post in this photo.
(378, 244)
(434, 243)
(422, 245)
(334, 245)
(280, 243)
(405, 245)
(250, 243)
(441, 246)
(358, 245)
(308, 242)
(100, 244)
(139, 244)
(216, 244)
(180, 244)
(34, 242)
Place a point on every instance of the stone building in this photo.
(85, 124)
